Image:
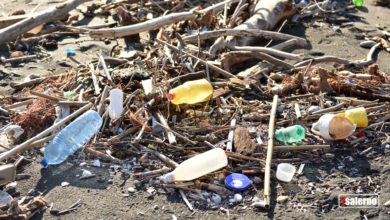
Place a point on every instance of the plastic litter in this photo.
(292, 134)
(116, 104)
(358, 116)
(96, 163)
(5, 198)
(70, 52)
(86, 174)
(72, 138)
(333, 127)
(191, 92)
(237, 182)
(285, 172)
(197, 166)
(358, 3)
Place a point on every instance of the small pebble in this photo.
(329, 155)
(237, 197)
(151, 190)
(313, 108)
(63, 184)
(282, 199)
(96, 163)
(131, 190)
(329, 103)
(367, 44)
(216, 199)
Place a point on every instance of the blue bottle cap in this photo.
(237, 182)
(44, 163)
(70, 52)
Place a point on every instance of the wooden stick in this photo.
(153, 24)
(22, 147)
(243, 157)
(325, 59)
(94, 79)
(163, 121)
(19, 59)
(271, 130)
(102, 98)
(184, 197)
(73, 103)
(245, 33)
(260, 56)
(218, 7)
(229, 144)
(188, 76)
(301, 147)
(177, 134)
(6, 21)
(330, 109)
(53, 14)
(105, 69)
(22, 85)
(152, 172)
(101, 155)
(56, 99)
(39, 142)
(297, 110)
(240, 7)
(215, 68)
(270, 51)
(18, 104)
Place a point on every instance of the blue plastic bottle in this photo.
(72, 138)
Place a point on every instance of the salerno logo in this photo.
(358, 200)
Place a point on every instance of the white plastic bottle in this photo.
(198, 166)
(115, 108)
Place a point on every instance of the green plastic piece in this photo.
(358, 3)
(292, 134)
(69, 95)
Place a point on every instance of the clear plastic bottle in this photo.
(292, 134)
(191, 92)
(72, 138)
(198, 166)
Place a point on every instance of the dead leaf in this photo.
(72, 18)
(35, 30)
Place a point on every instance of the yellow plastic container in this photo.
(191, 92)
(358, 116)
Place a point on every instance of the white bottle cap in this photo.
(168, 178)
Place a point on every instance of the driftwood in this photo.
(266, 15)
(11, 32)
(271, 35)
(333, 59)
(142, 27)
(7, 21)
(269, 51)
(235, 57)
